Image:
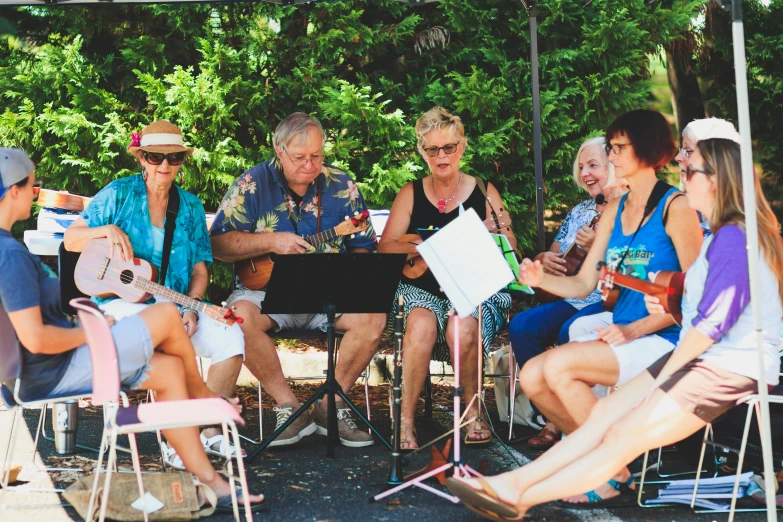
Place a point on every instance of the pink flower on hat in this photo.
(135, 140)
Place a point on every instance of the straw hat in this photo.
(160, 136)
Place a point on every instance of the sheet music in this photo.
(466, 262)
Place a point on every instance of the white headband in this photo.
(161, 139)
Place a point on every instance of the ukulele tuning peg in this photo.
(355, 212)
(223, 304)
(353, 236)
(347, 217)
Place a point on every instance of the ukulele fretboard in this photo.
(321, 237)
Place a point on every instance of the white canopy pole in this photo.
(751, 224)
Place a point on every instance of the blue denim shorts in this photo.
(134, 346)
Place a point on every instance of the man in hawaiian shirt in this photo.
(269, 209)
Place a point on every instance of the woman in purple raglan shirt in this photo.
(712, 368)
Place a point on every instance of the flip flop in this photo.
(626, 498)
(226, 505)
(485, 502)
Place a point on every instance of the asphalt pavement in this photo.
(301, 484)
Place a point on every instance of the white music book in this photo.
(466, 262)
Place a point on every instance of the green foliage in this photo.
(84, 78)
(764, 48)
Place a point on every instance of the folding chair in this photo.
(10, 385)
(754, 404)
(127, 420)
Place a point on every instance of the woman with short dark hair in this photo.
(637, 235)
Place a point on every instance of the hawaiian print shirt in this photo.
(580, 216)
(260, 201)
(124, 203)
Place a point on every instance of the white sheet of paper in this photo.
(153, 504)
(466, 262)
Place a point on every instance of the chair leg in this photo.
(6, 471)
(753, 404)
(428, 397)
(367, 395)
(107, 483)
(641, 479)
(701, 461)
(97, 473)
(260, 413)
(137, 469)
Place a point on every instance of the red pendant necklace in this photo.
(443, 202)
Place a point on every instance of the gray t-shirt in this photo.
(24, 283)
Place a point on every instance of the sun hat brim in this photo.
(165, 149)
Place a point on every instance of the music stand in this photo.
(331, 284)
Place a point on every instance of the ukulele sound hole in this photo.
(126, 277)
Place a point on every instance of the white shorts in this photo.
(289, 321)
(213, 340)
(633, 357)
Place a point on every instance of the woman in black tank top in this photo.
(434, 202)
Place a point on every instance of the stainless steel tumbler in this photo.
(65, 419)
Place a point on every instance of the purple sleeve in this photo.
(727, 288)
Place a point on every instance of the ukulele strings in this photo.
(127, 277)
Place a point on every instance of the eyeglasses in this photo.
(617, 148)
(685, 153)
(156, 158)
(36, 189)
(315, 159)
(690, 170)
(449, 148)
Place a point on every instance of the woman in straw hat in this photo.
(131, 213)
(151, 354)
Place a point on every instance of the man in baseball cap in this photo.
(15, 166)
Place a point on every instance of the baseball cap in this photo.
(15, 165)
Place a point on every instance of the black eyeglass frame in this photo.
(433, 152)
(617, 148)
(690, 170)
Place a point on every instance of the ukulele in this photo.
(415, 266)
(668, 288)
(63, 200)
(574, 258)
(99, 275)
(255, 273)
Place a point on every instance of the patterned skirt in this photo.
(494, 316)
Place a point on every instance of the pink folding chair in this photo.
(127, 420)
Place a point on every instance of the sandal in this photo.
(408, 438)
(170, 457)
(486, 502)
(226, 505)
(478, 426)
(545, 439)
(627, 497)
(221, 442)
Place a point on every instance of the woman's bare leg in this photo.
(581, 442)
(658, 422)
(421, 334)
(160, 319)
(166, 377)
(533, 382)
(468, 359)
(570, 372)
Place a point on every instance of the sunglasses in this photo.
(449, 148)
(36, 189)
(156, 158)
(690, 171)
